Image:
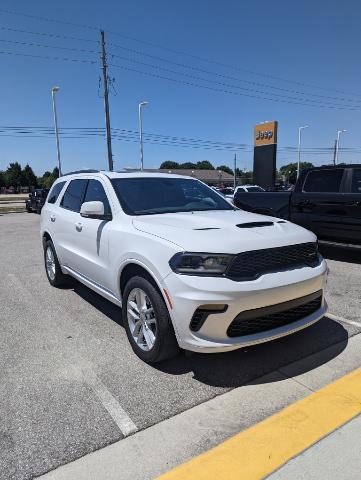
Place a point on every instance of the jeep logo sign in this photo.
(265, 133)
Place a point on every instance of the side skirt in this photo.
(104, 292)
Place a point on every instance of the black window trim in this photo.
(343, 182)
(82, 198)
(106, 194)
(84, 194)
(60, 195)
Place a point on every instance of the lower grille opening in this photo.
(202, 313)
(268, 318)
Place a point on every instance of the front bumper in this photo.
(188, 293)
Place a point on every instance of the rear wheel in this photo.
(147, 322)
(52, 267)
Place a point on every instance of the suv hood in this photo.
(227, 231)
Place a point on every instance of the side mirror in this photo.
(30, 195)
(93, 210)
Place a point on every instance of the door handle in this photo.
(52, 218)
(79, 226)
(356, 203)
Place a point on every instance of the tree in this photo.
(226, 169)
(290, 170)
(188, 165)
(204, 165)
(13, 175)
(169, 165)
(2, 179)
(28, 178)
(48, 178)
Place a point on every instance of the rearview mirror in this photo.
(92, 210)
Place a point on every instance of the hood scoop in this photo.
(254, 224)
(207, 228)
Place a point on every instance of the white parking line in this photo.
(344, 320)
(120, 417)
(80, 368)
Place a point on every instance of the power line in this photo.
(178, 52)
(132, 135)
(224, 91)
(51, 35)
(202, 79)
(15, 42)
(192, 67)
(178, 81)
(47, 57)
(45, 19)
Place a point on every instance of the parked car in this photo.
(325, 200)
(36, 200)
(190, 270)
(227, 192)
(249, 188)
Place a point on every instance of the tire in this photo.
(157, 322)
(53, 271)
(28, 209)
(38, 209)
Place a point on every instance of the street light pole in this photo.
(53, 92)
(234, 172)
(338, 144)
(299, 149)
(140, 107)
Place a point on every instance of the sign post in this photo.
(265, 152)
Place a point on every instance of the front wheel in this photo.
(147, 322)
(52, 267)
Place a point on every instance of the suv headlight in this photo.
(200, 263)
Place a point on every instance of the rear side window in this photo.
(95, 192)
(55, 191)
(324, 181)
(73, 195)
(356, 181)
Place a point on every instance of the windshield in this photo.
(147, 196)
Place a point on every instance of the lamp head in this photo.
(55, 89)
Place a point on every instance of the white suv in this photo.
(189, 269)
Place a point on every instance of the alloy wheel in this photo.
(141, 319)
(50, 263)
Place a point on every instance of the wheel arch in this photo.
(45, 237)
(134, 268)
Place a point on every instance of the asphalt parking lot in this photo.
(70, 383)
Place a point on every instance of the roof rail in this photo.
(89, 170)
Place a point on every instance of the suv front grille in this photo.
(253, 264)
(268, 318)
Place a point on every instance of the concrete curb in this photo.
(153, 451)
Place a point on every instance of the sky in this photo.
(226, 66)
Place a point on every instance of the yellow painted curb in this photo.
(261, 449)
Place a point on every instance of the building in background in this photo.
(210, 177)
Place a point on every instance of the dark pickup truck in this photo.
(325, 200)
(36, 200)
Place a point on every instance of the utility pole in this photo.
(53, 92)
(235, 174)
(106, 102)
